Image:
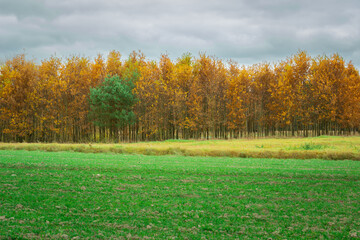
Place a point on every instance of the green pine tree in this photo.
(111, 103)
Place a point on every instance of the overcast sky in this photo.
(248, 31)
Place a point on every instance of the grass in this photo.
(67, 195)
(324, 147)
(311, 146)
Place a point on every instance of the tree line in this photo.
(110, 99)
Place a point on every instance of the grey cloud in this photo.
(22, 9)
(249, 31)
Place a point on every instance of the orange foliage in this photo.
(188, 98)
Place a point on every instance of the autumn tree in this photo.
(147, 89)
(207, 96)
(350, 100)
(326, 80)
(183, 79)
(48, 106)
(76, 76)
(237, 94)
(259, 115)
(289, 94)
(113, 64)
(18, 99)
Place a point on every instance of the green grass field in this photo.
(68, 195)
(323, 147)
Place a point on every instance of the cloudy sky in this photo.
(248, 31)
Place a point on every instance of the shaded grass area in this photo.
(324, 147)
(68, 195)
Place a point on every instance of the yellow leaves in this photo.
(189, 94)
(114, 64)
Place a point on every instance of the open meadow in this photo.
(323, 147)
(70, 195)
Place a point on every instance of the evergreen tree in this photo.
(111, 103)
